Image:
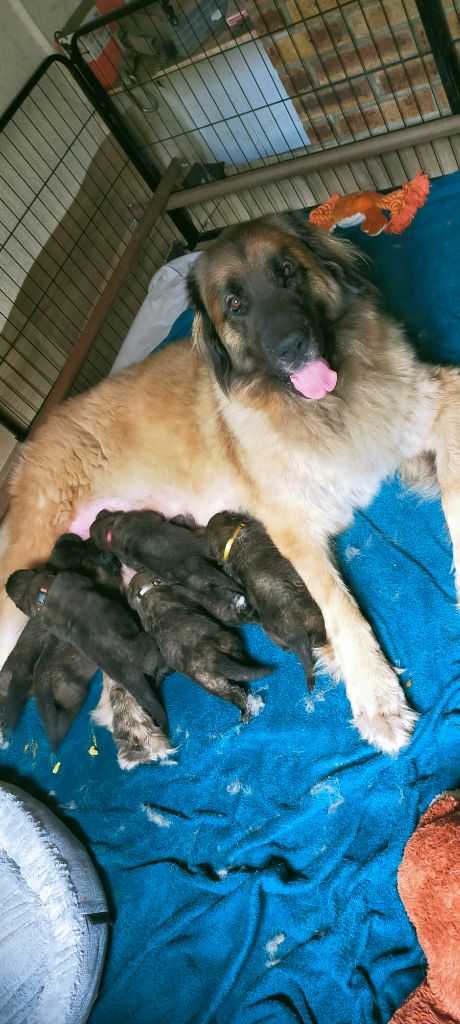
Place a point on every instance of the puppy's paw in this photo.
(386, 723)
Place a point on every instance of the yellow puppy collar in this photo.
(231, 540)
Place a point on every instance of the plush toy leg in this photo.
(374, 222)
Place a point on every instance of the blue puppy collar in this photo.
(41, 598)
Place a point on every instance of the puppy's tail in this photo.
(304, 653)
(56, 720)
(13, 695)
(241, 671)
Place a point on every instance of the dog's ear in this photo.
(206, 336)
(338, 256)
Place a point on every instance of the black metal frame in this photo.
(443, 49)
(440, 47)
(23, 359)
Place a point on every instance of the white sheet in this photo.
(165, 300)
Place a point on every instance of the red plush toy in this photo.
(429, 886)
(366, 208)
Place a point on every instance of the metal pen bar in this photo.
(102, 308)
(303, 165)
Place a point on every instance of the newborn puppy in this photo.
(103, 629)
(177, 554)
(72, 554)
(286, 610)
(193, 643)
(46, 666)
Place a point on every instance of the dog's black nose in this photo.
(293, 347)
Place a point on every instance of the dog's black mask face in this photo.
(269, 296)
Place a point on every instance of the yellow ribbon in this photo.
(231, 540)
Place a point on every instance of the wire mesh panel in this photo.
(452, 14)
(69, 201)
(231, 86)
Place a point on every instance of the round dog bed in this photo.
(53, 917)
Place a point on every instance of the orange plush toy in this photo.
(429, 886)
(366, 208)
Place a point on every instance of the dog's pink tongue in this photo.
(315, 379)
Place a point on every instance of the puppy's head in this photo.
(141, 584)
(101, 530)
(221, 533)
(28, 588)
(107, 525)
(72, 554)
(269, 296)
(67, 552)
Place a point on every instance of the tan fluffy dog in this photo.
(295, 401)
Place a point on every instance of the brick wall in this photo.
(352, 69)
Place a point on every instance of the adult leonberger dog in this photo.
(296, 397)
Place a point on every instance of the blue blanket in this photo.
(254, 882)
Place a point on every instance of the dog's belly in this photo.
(169, 501)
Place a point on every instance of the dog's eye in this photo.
(233, 303)
(287, 270)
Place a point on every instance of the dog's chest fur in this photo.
(332, 458)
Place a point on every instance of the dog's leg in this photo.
(446, 446)
(380, 711)
(137, 738)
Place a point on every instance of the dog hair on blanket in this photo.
(105, 630)
(52, 670)
(178, 554)
(286, 610)
(192, 642)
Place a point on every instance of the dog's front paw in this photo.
(385, 720)
(150, 744)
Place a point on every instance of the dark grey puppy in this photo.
(52, 670)
(72, 554)
(105, 630)
(193, 643)
(286, 609)
(177, 553)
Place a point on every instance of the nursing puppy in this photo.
(175, 552)
(193, 643)
(51, 670)
(287, 612)
(298, 397)
(103, 629)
